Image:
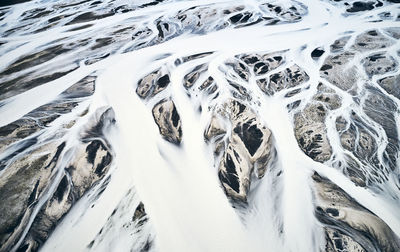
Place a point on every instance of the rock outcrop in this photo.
(349, 226)
(168, 121)
(247, 147)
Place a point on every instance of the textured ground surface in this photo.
(200, 125)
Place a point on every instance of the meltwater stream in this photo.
(199, 125)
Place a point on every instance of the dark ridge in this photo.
(379, 4)
(237, 157)
(182, 17)
(175, 117)
(274, 21)
(160, 30)
(317, 52)
(241, 70)
(60, 148)
(338, 242)
(239, 88)
(230, 165)
(332, 211)
(251, 23)
(275, 77)
(311, 149)
(61, 189)
(251, 137)
(89, 16)
(113, 212)
(230, 176)
(361, 6)
(163, 81)
(375, 57)
(166, 120)
(294, 104)
(122, 9)
(12, 2)
(37, 14)
(246, 17)
(224, 179)
(105, 161)
(241, 108)
(96, 3)
(151, 3)
(212, 90)
(325, 67)
(92, 149)
(23, 248)
(148, 4)
(179, 134)
(190, 78)
(261, 68)
(90, 245)
(166, 26)
(163, 56)
(106, 119)
(293, 92)
(146, 246)
(138, 34)
(236, 18)
(100, 42)
(196, 56)
(251, 60)
(140, 212)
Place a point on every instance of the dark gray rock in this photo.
(168, 121)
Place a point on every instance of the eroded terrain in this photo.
(200, 126)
